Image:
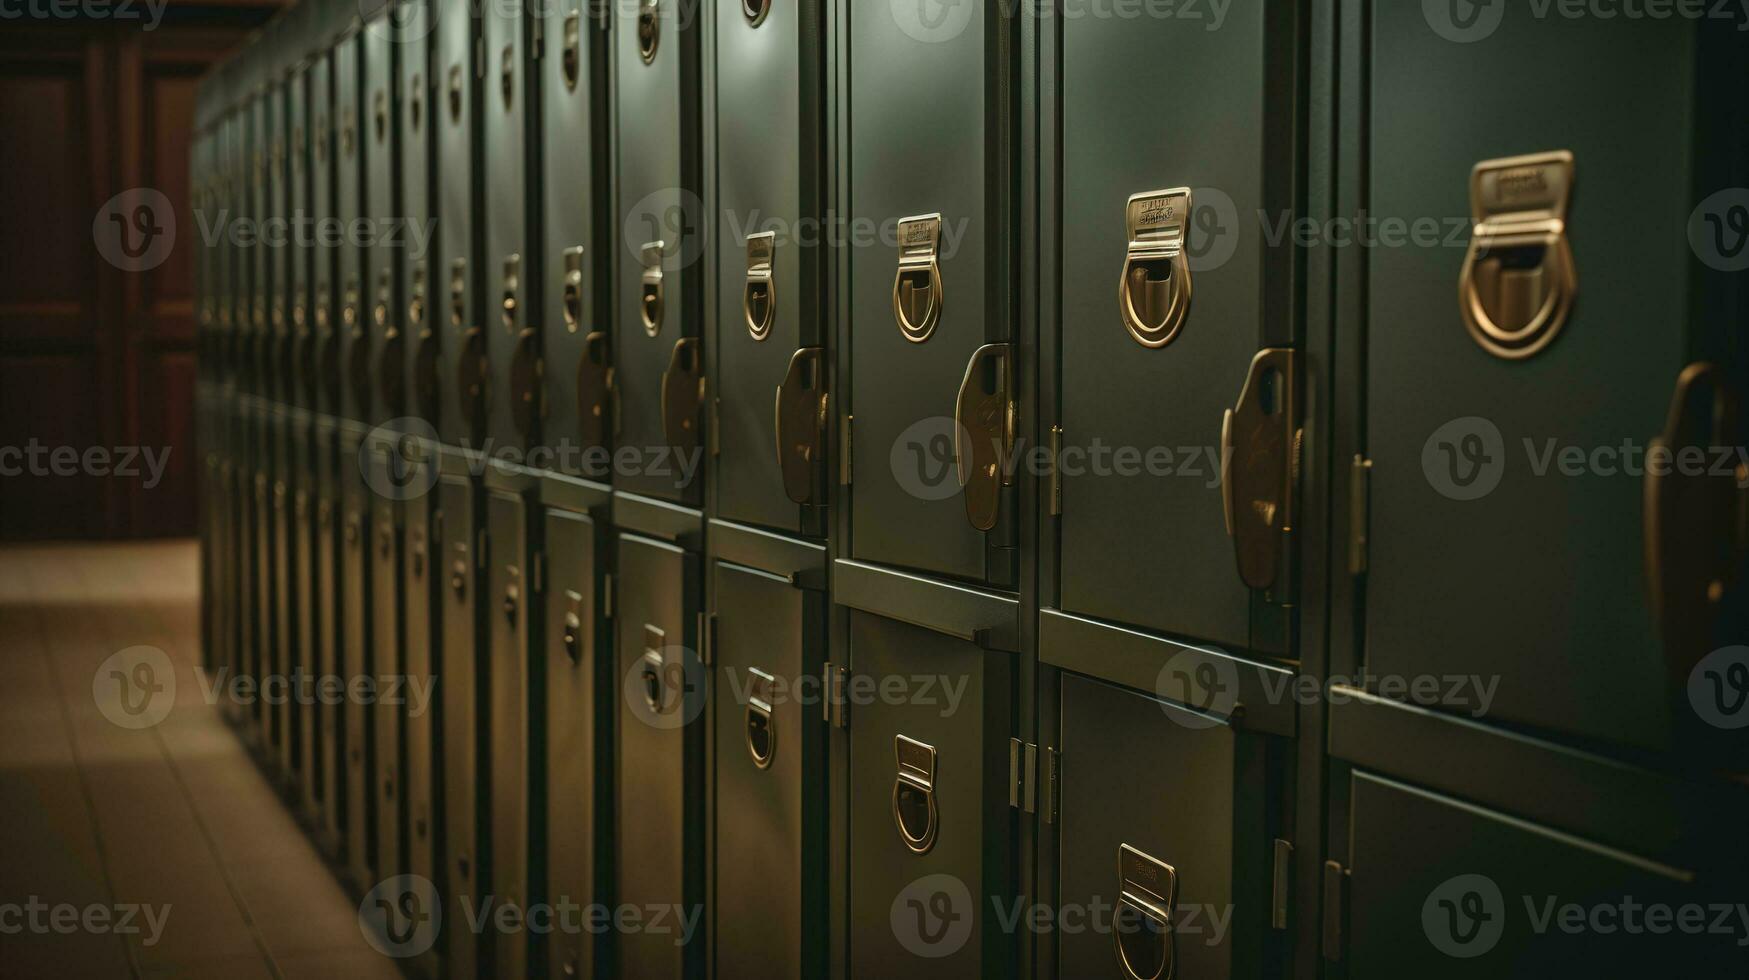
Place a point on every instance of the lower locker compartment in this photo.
(1165, 850)
(466, 854)
(423, 666)
(330, 583)
(265, 654)
(1437, 887)
(391, 689)
(306, 659)
(930, 825)
(659, 741)
(577, 680)
(769, 898)
(285, 736)
(514, 720)
(355, 665)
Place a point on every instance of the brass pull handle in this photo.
(759, 293)
(1694, 530)
(799, 425)
(652, 302)
(984, 416)
(682, 394)
(458, 578)
(917, 289)
(1518, 282)
(1153, 293)
(649, 29)
(914, 807)
(761, 734)
(573, 635)
(572, 60)
(573, 287)
(527, 377)
(755, 11)
(455, 93)
(507, 73)
(1148, 891)
(1260, 454)
(595, 391)
(512, 600)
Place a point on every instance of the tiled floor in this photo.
(173, 819)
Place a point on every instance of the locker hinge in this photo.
(479, 57)
(537, 572)
(846, 429)
(1335, 909)
(707, 638)
(1050, 765)
(836, 709)
(607, 596)
(1284, 863)
(1359, 505)
(480, 544)
(716, 426)
(1056, 482)
(1023, 775)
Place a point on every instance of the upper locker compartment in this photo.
(463, 370)
(932, 382)
(350, 204)
(513, 324)
(421, 283)
(1525, 371)
(578, 381)
(771, 451)
(384, 367)
(659, 384)
(1175, 334)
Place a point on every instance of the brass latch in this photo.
(914, 808)
(573, 56)
(1260, 460)
(682, 395)
(1147, 896)
(573, 288)
(755, 11)
(761, 732)
(1519, 281)
(527, 377)
(917, 295)
(1153, 295)
(512, 284)
(458, 293)
(1695, 532)
(596, 419)
(800, 424)
(649, 29)
(759, 295)
(984, 417)
(651, 300)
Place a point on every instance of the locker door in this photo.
(421, 278)
(1169, 291)
(330, 583)
(286, 589)
(263, 656)
(1440, 888)
(357, 608)
(660, 688)
(299, 370)
(767, 273)
(420, 580)
(384, 364)
(309, 582)
(464, 841)
(1163, 810)
(512, 265)
(577, 337)
(924, 143)
(658, 358)
(575, 692)
(355, 302)
(929, 816)
(769, 772)
(1533, 337)
(513, 717)
(463, 368)
(388, 666)
(324, 257)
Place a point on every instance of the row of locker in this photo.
(730, 406)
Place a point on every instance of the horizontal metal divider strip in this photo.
(510, 478)
(1604, 800)
(990, 620)
(1265, 699)
(563, 492)
(455, 461)
(659, 519)
(803, 563)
